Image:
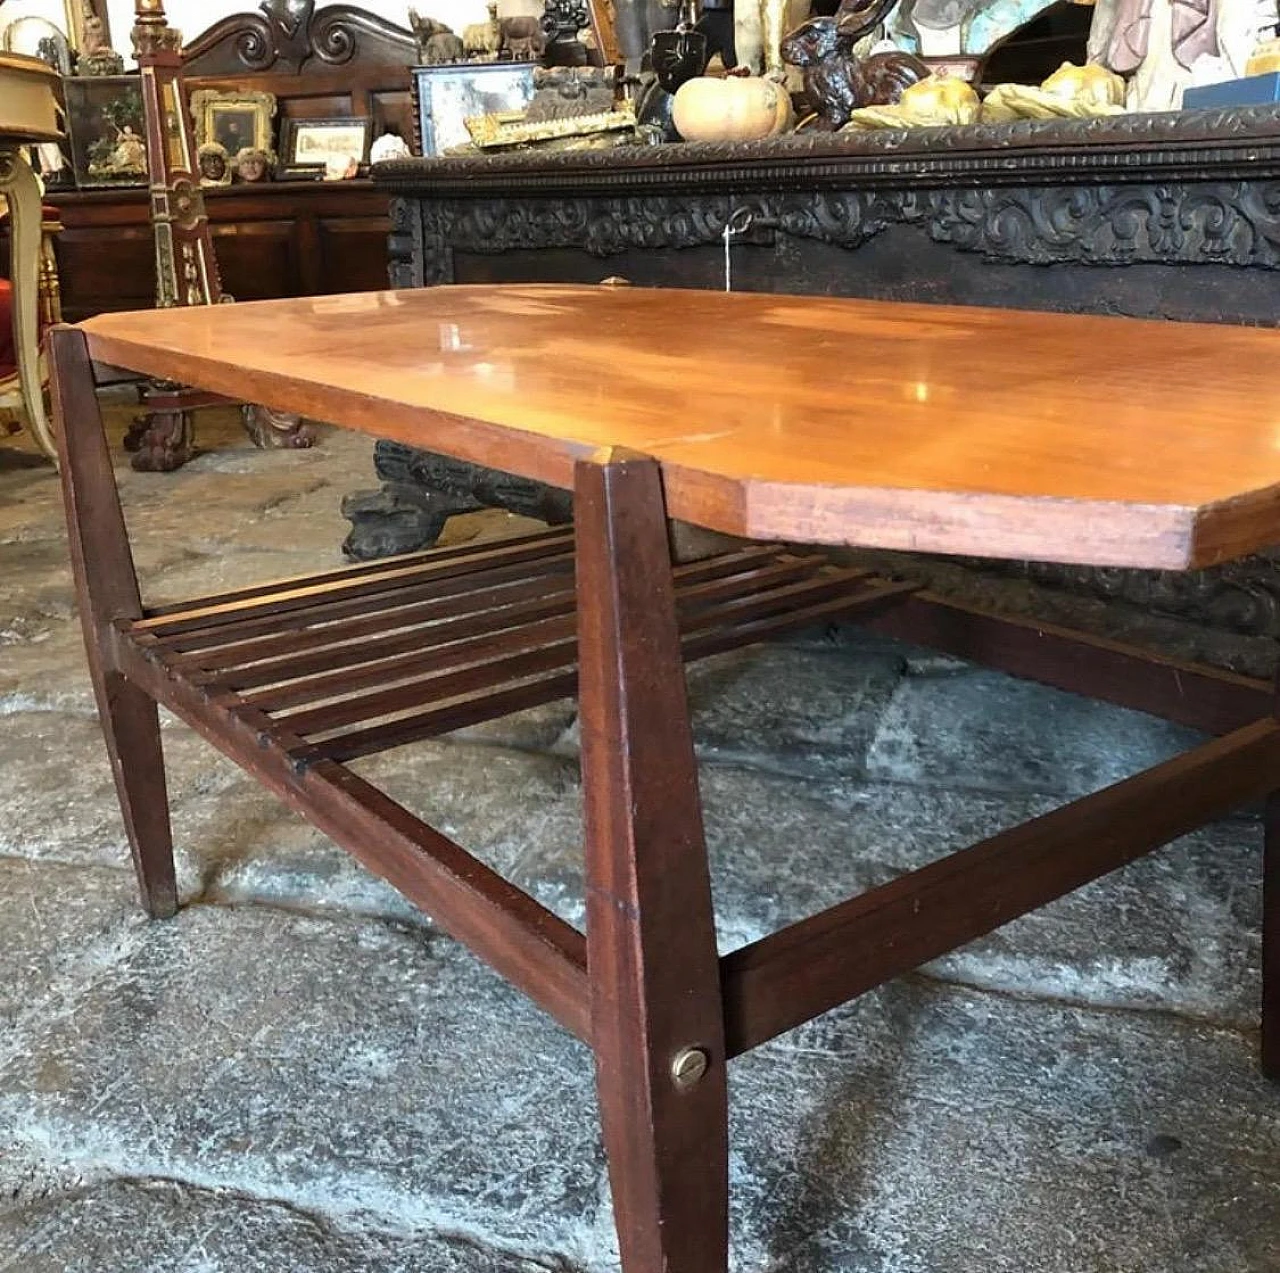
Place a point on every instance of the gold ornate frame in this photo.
(207, 104)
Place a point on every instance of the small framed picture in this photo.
(106, 129)
(447, 96)
(324, 148)
(234, 121)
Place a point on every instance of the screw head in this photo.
(689, 1066)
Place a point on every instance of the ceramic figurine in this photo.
(96, 56)
(676, 57)
(252, 165)
(482, 41)
(214, 163)
(1167, 45)
(836, 82)
(523, 38)
(389, 146)
(758, 29)
(938, 100)
(437, 43)
(1071, 92)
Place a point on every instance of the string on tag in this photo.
(740, 221)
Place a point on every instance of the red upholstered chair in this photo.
(12, 406)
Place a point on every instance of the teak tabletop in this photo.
(933, 428)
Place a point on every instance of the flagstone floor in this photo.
(299, 1073)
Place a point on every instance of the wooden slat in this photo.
(338, 621)
(320, 633)
(342, 574)
(501, 702)
(388, 604)
(515, 659)
(435, 651)
(806, 969)
(203, 618)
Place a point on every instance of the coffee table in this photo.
(982, 432)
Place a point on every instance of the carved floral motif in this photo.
(1232, 223)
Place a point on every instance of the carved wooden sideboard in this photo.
(1171, 216)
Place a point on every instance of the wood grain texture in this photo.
(931, 428)
(651, 942)
(106, 594)
(782, 980)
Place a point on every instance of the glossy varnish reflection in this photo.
(974, 431)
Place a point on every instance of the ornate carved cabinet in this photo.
(1169, 216)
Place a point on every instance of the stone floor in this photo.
(300, 1073)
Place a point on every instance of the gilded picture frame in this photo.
(235, 121)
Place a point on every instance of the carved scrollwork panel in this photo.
(1235, 223)
(602, 227)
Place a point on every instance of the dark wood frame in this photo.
(497, 628)
(291, 170)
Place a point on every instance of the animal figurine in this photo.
(836, 82)
(758, 28)
(483, 40)
(523, 39)
(437, 43)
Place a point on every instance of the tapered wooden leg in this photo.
(657, 1016)
(22, 191)
(1271, 940)
(107, 591)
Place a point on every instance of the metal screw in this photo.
(688, 1067)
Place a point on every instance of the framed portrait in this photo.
(106, 129)
(234, 121)
(447, 96)
(313, 148)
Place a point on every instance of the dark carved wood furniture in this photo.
(1163, 457)
(1157, 216)
(275, 239)
(272, 240)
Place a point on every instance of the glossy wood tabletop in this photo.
(976, 431)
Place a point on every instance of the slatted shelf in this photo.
(353, 662)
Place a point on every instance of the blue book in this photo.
(1253, 90)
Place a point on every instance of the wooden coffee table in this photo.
(1091, 440)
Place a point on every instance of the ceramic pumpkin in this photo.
(737, 108)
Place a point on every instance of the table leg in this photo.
(1271, 939)
(657, 1016)
(107, 592)
(19, 186)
